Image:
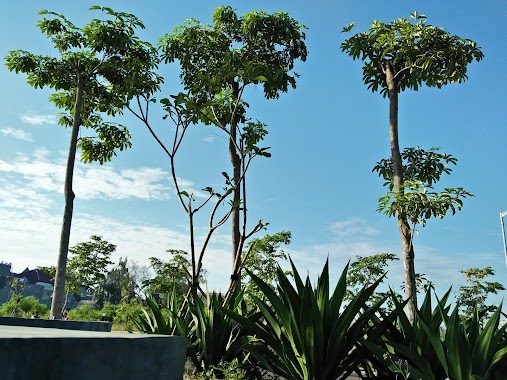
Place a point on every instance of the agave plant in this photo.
(440, 346)
(214, 338)
(308, 333)
(157, 320)
(219, 338)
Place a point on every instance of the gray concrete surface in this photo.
(57, 324)
(54, 354)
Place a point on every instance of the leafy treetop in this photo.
(416, 52)
(255, 48)
(476, 290)
(106, 59)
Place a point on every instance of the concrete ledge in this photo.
(53, 354)
(57, 324)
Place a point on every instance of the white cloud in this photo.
(38, 172)
(19, 134)
(30, 228)
(31, 204)
(353, 228)
(106, 183)
(39, 119)
(209, 139)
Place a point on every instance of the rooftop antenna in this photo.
(502, 214)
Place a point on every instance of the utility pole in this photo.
(502, 214)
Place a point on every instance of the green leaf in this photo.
(348, 28)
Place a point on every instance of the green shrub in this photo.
(85, 313)
(24, 307)
(125, 314)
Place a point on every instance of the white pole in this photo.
(502, 214)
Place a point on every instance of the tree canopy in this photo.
(417, 52)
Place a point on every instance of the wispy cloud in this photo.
(353, 228)
(39, 119)
(209, 139)
(40, 172)
(19, 134)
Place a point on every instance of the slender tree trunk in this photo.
(236, 167)
(58, 301)
(403, 226)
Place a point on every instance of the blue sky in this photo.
(326, 135)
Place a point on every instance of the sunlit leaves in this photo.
(110, 138)
(419, 54)
(418, 201)
(88, 263)
(111, 63)
(476, 290)
(258, 48)
(418, 165)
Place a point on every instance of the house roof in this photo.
(35, 275)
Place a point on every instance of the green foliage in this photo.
(475, 293)
(439, 345)
(85, 313)
(88, 264)
(218, 338)
(23, 307)
(125, 314)
(162, 320)
(308, 333)
(418, 53)
(257, 48)
(419, 165)
(413, 345)
(417, 202)
(171, 276)
(215, 339)
(262, 257)
(118, 286)
(225, 371)
(104, 57)
(405, 54)
(97, 70)
(364, 271)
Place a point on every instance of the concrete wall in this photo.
(51, 354)
(57, 324)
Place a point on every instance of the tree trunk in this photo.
(403, 226)
(58, 301)
(236, 195)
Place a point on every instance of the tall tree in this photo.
(364, 271)
(262, 257)
(121, 283)
(406, 54)
(86, 267)
(171, 276)
(99, 69)
(218, 62)
(88, 263)
(476, 291)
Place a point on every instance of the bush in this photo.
(125, 314)
(24, 307)
(85, 313)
